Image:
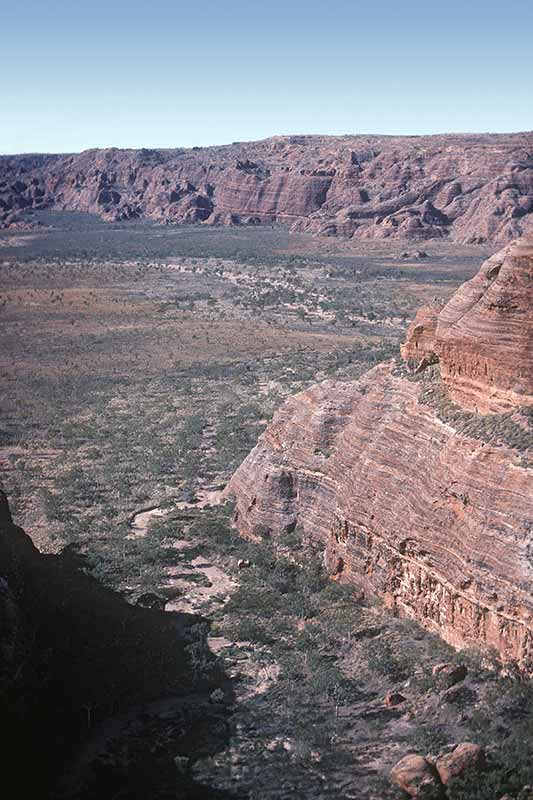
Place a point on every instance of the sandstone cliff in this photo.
(471, 188)
(413, 496)
(483, 338)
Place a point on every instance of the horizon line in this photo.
(235, 143)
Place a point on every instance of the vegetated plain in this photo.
(140, 363)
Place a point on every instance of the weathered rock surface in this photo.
(448, 675)
(393, 699)
(419, 346)
(405, 504)
(485, 334)
(483, 338)
(425, 777)
(472, 188)
(416, 776)
(465, 757)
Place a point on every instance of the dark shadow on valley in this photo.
(100, 698)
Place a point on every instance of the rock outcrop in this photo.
(427, 777)
(483, 338)
(486, 334)
(412, 496)
(419, 346)
(471, 188)
(464, 757)
(416, 777)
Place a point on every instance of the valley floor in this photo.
(139, 366)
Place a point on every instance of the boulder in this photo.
(458, 695)
(392, 699)
(464, 757)
(151, 600)
(416, 776)
(449, 674)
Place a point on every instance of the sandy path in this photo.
(195, 596)
(140, 522)
(200, 588)
(192, 595)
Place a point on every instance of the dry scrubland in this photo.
(139, 365)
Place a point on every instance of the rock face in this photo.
(419, 346)
(413, 497)
(485, 334)
(471, 188)
(483, 338)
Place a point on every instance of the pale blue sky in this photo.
(169, 73)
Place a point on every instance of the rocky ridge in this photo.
(411, 492)
(470, 188)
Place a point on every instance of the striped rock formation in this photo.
(469, 188)
(483, 338)
(411, 494)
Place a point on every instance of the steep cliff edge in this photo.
(413, 497)
(470, 188)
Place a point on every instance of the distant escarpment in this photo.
(417, 480)
(470, 188)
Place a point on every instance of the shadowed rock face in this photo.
(435, 521)
(472, 188)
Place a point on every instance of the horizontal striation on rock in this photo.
(470, 188)
(406, 504)
(483, 337)
(485, 333)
